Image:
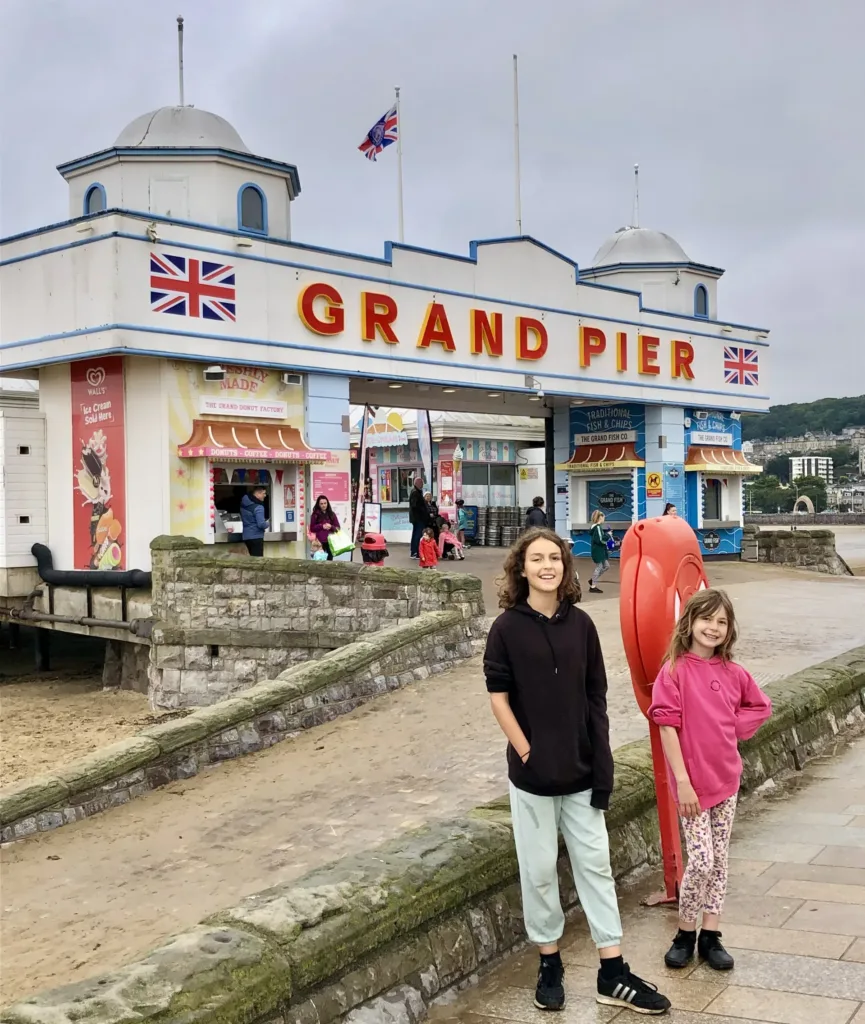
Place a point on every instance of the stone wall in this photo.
(223, 624)
(805, 519)
(805, 549)
(298, 699)
(376, 938)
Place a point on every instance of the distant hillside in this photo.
(826, 414)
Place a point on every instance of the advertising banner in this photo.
(99, 463)
(424, 443)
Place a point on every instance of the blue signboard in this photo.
(613, 497)
(471, 512)
(608, 424)
(712, 428)
(725, 541)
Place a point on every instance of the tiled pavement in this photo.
(795, 921)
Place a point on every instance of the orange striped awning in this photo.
(593, 457)
(248, 442)
(718, 460)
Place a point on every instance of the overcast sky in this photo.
(747, 118)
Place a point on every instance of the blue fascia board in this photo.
(615, 268)
(135, 152)
(386, 261)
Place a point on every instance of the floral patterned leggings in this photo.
(708, 840)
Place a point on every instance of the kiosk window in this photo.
(712, 499)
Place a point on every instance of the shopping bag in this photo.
(339, 543)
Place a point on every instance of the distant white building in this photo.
(812, 465)
(847, 498)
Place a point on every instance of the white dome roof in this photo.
(180, 128)
(639, 245)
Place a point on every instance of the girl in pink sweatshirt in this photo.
(704, 704)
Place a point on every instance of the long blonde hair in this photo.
(702, 605)
(598, 516)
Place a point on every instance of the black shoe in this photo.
(710, 949)
(631, 992)
(595, 590)
(550, 993)
(681, 952)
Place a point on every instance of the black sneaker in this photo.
(595, 590)
(681, 952)
(631, 992)
(550, 993)
(710, 949)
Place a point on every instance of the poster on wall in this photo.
(674, 485)
(654, 485)
(99, 463)
(613, 497)
(606, 424)
(446, 495)
(335, 487)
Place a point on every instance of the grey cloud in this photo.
(745, 117)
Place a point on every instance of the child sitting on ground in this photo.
(427, 550)
(449, 542)
(318, 552)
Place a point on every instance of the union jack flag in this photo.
(741, 366)
(189, 287)
(383, 133)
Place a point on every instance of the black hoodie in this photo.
(553, 672)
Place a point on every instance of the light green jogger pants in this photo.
(536, 821)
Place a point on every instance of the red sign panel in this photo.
(99, 463)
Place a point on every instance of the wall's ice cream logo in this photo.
(387, 431)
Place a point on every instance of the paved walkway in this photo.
(795, 921)
(117, 884)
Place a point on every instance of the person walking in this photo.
(254, 520)
(417, 515)
(599, 551)
(323, 522)
(462, 523)
(536, 515)
(704, 704)
(548, 690)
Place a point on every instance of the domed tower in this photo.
(185, 164)
(654, 264)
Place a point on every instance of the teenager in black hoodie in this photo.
(548, 687)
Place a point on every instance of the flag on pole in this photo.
(382, 134)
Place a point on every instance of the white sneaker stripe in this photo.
(617, 990)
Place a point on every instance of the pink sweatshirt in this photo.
(713, 704)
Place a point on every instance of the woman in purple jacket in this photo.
(323, 523)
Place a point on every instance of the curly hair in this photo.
(701, 605)
(512, 584)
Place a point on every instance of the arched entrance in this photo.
(806, 505)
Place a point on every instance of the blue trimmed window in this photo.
(94, 200)
(252, 210)
(701, 301)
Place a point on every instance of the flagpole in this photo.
(399, 165)
(519, 210)
(180, 57)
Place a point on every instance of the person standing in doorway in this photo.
(417, 515)
(323, 523)
(254, 520)
(536, 515)
(599, 551)
(548, 690)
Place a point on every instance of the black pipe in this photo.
(86, 577)
(550, 471)
(138, 627)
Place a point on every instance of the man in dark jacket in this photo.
(418, 515)
(254, 521)
(536, 515)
